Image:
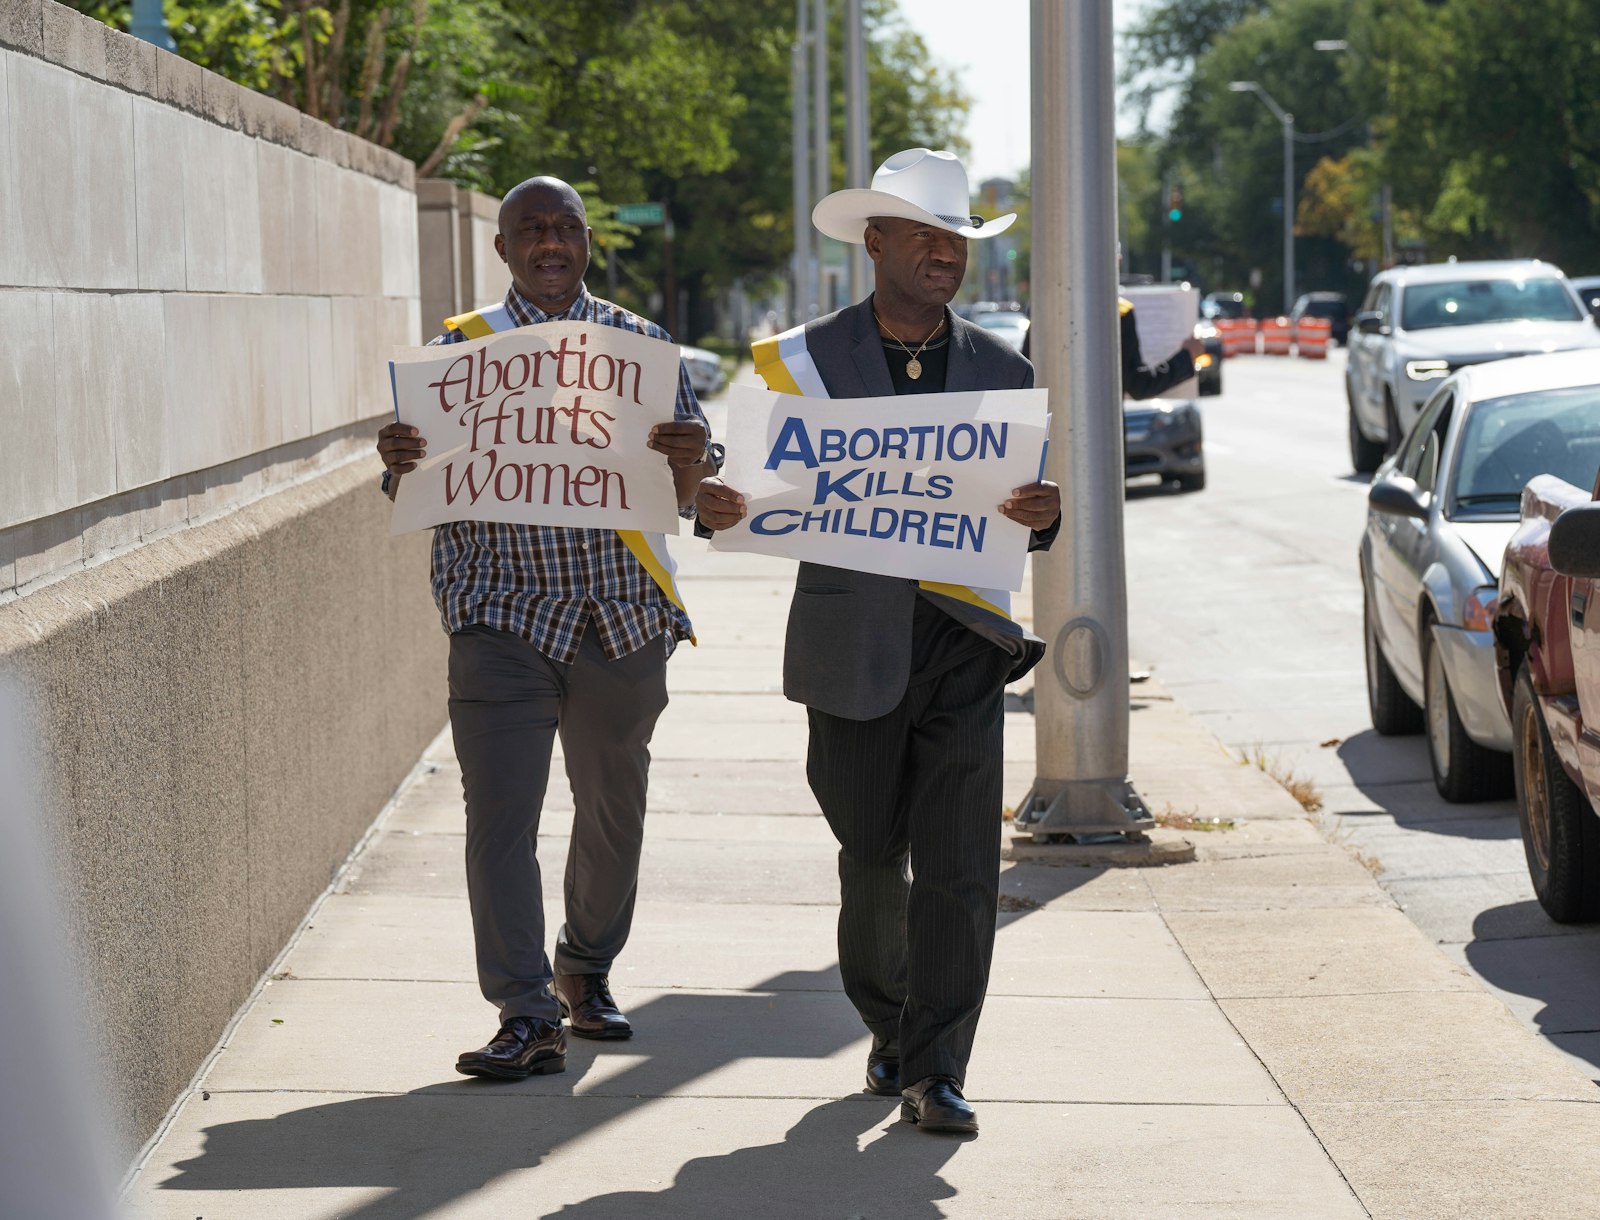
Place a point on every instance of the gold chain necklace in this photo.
(913, 365)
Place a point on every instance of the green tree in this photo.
(1493, 124)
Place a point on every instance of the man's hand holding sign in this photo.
(550, 425)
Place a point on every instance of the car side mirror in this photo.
(1369, 322)
(1398, 496)
(1575, 542)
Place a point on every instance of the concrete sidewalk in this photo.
(1259, 1033)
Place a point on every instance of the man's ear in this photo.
(874, 242)
(500, 247)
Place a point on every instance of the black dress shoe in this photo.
(525, 1046)
(587, 1005)
(935, 1103)
(883, 1069)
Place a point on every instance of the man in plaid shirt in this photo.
(553, 630)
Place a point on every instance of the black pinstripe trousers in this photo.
(919, 787)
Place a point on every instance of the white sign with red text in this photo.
(542, 425)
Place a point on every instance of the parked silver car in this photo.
(706, 374)
(1442, 509)
(1418, 325)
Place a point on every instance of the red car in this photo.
(1547, 648)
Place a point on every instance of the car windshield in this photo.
(1325, 309)
(1507, 441)
(1469, 302)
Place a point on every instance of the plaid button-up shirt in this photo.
(546, 583)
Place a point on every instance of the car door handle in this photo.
(1580, 602)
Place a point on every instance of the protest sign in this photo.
(1165, 315)
(542, 425)
(901, 486)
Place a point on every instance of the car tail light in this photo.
(1478, 613)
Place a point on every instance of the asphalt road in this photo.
(1245, 598)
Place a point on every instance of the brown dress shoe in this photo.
(525, 1046)
(935, 1103)
(587, 1005)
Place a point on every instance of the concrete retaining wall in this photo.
(460, 269)
(231, 665)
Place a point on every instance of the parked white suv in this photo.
(1418, 325)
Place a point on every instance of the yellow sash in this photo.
(649, 549)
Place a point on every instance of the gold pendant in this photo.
(913, 368)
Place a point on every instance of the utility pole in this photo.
(1287, 121)
(150, 24)
(1080, 596)
(800, 134)
(1166, 231)
(822, 181)
(1385, 194)
(857, 142)
(668, 276)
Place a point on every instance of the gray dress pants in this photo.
(507, 702)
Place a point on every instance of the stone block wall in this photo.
(198, 593)
(460, 269)
(194, 274)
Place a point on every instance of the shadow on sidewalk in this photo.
(437, 1145)
(1394, 774)
(1520, 949)
(819, 1169)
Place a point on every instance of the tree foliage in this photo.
(684, 101)
(1485, 126)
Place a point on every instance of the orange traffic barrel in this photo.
(1311, 337)
(1275, 336)
(1239, 339)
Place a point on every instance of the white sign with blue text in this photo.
(901, 486)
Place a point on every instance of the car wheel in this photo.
(1463, 770)
(1192, 482)
(1560, 834)
(1366, 456)
(1393, 712)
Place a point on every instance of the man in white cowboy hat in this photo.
(903, 681)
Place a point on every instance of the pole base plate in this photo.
(1082, 808)
(1126, 851)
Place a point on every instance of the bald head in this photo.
(547, 190)
(544, 240)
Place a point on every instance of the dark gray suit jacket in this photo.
(848, 651)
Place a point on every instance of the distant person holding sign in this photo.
(904, 681)
(1141, 380)
(553, 630)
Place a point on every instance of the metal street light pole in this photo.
(800, 134)
(1278, 112)
(150, 24)
(1385, 206)
(822, 181)
(856, 138)
(1080, 592)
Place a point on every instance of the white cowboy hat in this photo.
(917, 184)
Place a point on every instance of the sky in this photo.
(986, 43)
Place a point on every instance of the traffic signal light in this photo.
(1174, 204)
